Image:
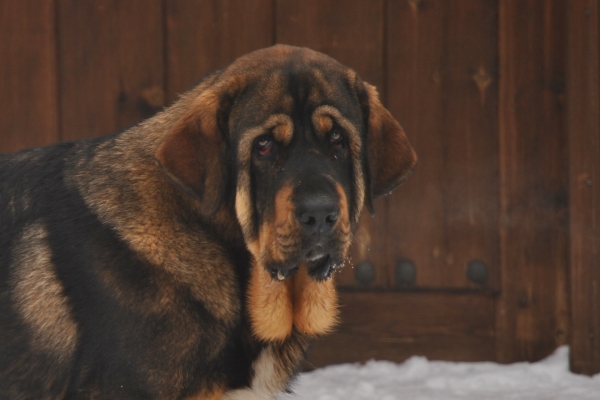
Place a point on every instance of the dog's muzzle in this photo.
(317, 211)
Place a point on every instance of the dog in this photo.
(191, 256)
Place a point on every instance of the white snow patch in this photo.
(420, 379)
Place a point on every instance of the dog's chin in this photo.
(319, 267)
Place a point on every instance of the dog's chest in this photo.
(269, 377)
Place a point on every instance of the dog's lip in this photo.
(322, 268)
(316, 257)
(315, 254)
(314, 263)
(317, 261)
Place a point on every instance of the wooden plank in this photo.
(29, 113)
(352, 32)
(532, 309)
(395, 326)
(111, 64)
(584, 155)
(441, 61)
(205, 35)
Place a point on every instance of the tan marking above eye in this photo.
(324, 124)
(329, 113)
(283, 133)
(279, 125)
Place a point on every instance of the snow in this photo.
(420, 379)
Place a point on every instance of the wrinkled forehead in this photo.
(296, 87)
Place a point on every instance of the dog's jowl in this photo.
(192, 255)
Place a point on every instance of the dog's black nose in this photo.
(317, 213)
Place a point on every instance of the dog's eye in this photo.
(264, 146)
(336, 138)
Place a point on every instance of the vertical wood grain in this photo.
(111, 64)
(352, 32)
(205, 35)
(532, 315)
(28, 74)
(443, 84)
(584, 152)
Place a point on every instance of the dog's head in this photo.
(296, 144)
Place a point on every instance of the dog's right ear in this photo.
(390, 157)
(193, 153)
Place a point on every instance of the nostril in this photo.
(331, 218)
(307, 219)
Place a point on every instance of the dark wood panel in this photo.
(532, 308)
(443, 85)
(394, 326)
(352, 32)
(584, 138)
(29, 113)
(205, 35)
(111, 64)
(366, 266)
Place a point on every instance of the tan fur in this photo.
(150, 224)
(39, 295)
(270, 301)
(216, 394)
(315, 304)
(323, 123)
(283, 232)
(273, 305)
(269, 305)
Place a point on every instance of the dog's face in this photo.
(296, 143)
(300, 187)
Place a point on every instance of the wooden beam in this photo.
(532, 316)
(584, 153)
(397, 325)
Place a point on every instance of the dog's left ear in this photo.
(193, 154)
(390, 157)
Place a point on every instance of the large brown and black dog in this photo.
(191, 256)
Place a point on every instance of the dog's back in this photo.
(42, 220)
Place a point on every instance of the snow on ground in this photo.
(420, 379)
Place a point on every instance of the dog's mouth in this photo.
(320, 267)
